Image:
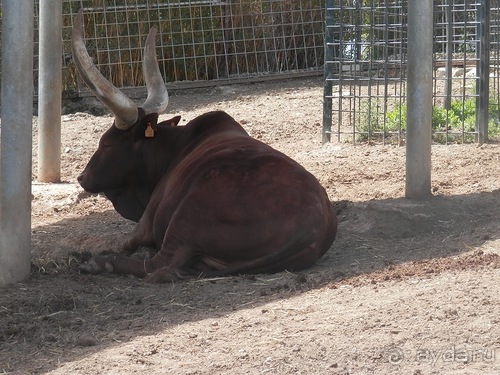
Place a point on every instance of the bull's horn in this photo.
(124, 109)
(157, 99)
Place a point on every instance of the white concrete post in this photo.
(49, 91)
(15, 145)
(419, 116)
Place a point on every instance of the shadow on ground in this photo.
(61, 316)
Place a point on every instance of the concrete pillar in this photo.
(49, 91)
(15, 145)
(419, 116)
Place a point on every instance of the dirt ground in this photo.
(408, 287)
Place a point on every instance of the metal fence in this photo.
(199, 41)
(365, 70)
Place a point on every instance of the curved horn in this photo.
(124, 109)
(157, 99)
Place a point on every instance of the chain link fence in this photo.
(365, 70)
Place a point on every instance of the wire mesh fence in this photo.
(365, 70)
(199, 41)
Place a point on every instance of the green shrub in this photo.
(373, 123)
(461, 117)
(463, 113)
(396, 118)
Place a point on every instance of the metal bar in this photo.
(328, 86)
(49, 91)
(483, 68)
(157, 5)
(15, 147)
(449, 55)
(419, 116)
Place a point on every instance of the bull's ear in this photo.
(174, 121)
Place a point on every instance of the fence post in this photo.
(328, 89)
(449, 54)
(483, 70)
(15, 147)
(49, 91)
(419, 116)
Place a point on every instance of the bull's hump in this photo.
(213, 124)
(214, 117)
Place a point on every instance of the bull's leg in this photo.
(170, 264)
(173, 262)
(164, 266)
(116, 264)
(141, 237)
(122, 263)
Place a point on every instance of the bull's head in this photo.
(114, 167)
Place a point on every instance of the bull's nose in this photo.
(81, 180)
(87, 184)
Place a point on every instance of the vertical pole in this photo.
(15, 147)
(449, 54)
(419, 116)
(328, 89)
(483, 70)
(49, 91)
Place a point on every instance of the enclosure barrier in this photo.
(200, 42)
(210, 42)
(366, 71)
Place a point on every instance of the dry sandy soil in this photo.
(408, 287)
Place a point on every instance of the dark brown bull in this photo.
(213, 200)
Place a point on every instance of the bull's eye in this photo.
(105, 146)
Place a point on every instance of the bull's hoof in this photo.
(97, 265)
(144, 253)
(90, 267)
